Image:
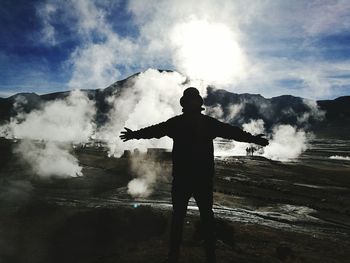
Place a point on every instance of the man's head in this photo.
(191, 101)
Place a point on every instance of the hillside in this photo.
(328, 118)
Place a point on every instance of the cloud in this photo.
(300, 19)
(47, 34)
(147, 174)
(207, 51)
(268, 47)
(153, 94)
(101, 54)
(314, 113)
(276, 40)
(49, 159)
(46, 135)
(68, 120)
(327, 17)
(96, 65)
(215, 112)
(198, 39)
(287, 143)
(254, 127)
(311, 79)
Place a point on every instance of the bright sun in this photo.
(208, 51)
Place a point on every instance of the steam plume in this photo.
(49, 159)
(285, 142)
(47, 134)
(147, 172)
(153, 98)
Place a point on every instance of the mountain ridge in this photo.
(330, 118)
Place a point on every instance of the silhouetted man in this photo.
(193, 164)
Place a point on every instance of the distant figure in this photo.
(247, 150)
(251, 149)
(193, 164)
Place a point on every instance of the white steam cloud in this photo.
(49, 159)
(285, 143)
(254, 126)
(47, 134)
(65, 120)
(230, 114)
(147, 172)
(314, 112)
(153, 98)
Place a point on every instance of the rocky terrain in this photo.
(266, 211)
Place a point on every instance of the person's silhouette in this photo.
(193, 164)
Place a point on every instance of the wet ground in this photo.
(267, 211)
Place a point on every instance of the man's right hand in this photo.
(127, 135)
(260, 140)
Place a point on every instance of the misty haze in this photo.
(74, 74)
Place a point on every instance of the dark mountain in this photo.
(26, 101)
(284, 109)
(32, 101)
(329, 118)
(337, 121)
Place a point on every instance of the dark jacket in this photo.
(193, 134)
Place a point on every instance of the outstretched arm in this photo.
(227, 131)
(127, 135)
(154, 131)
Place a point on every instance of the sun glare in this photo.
(208, 51)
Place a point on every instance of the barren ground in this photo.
(266, 212)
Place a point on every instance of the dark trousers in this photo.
(202, 191)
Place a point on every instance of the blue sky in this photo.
(289, 47)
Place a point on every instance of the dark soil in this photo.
(38, 226)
